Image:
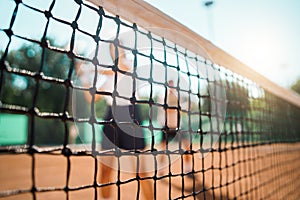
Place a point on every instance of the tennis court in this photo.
(129, 88)
(266, 162)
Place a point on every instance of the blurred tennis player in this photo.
(122, 130)
(170, 120)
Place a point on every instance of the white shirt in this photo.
(105, 83)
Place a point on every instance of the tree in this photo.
(296, 87)
(295, 112)
(20, 90)
(237, 101)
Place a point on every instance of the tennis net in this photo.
(98, 85)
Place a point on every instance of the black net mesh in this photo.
(76, 79)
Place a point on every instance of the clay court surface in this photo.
(266, 172)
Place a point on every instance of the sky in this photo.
(264, 34)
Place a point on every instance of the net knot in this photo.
(150, 80)
(165, 106)
(163, 41)
(66, 151)
(136, 151)
(114, 68)
(64, 116)
(93, 90)
(137, 176)
(44, 43)
(117, 20)
(96, 38)
(118, 153)
(9, 32)
(149, 35)
(151, 101)
(38, 76)
(74, 25)
(187, 152)
(101, 11)
(134, 51)
(95, 184)
(95, 61)
(116, 42)
(151, 56)
(71, 54)
(134, 27)
(48, 14)
(182, 152)
(133, 100)
(154, 177)
(165, 129)
(200, 131)
(33, 111)
(78, 1)
(66, 189)
(33, 189)
(154, 152)
(92, 120)
(114, 94)
(68, 83)
(18, 1)
(32, 150)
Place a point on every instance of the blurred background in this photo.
(264, 34)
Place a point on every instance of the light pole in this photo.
(209, 4)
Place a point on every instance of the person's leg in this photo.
(161, 160)
(106, 162)
(147, 185)
(105, 175)
(72, 134)
(187, 158)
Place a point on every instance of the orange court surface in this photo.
(270, 171)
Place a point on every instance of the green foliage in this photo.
(100, 108)
(237, 100)
(50, 97)
(296, 87)
(145, 111)
(48, 131)
(274, 119)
